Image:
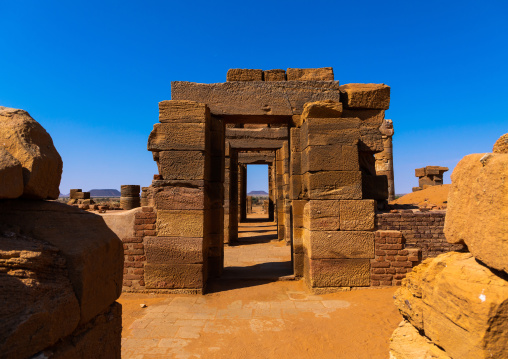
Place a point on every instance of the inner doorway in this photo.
(257, 253)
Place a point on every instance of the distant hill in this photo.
(104, 193)
(257, 193)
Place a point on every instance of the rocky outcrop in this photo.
(11, 175)
(35, 293)
(61, 268)
(454, 299)
(459, 301)
(29, 143)
(478, 208)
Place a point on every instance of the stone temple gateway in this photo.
(323, 143)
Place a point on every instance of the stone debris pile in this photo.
(456, 305)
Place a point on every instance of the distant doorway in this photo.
(257, 193)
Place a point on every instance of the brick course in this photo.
(423, 230)
(134, 250)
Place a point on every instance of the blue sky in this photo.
(93, 72)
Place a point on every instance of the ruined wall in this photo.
(423, 230)
(60, 266)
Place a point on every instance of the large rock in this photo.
(38, 304)
(407, 343)
(27, 141)
(94, 254)
(11, 175)
(501, 145)
(478, 208)
(458, 303)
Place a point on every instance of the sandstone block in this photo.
(477, 212)
(244, 75)
(272, 98)
(407, 343)
(330, 158)
(180, 198)
(332, 185)
(374, 96)
(178, 136)
(175, 111)
(11, 176)
(187, 165)
(322, 109)
(176, 223)
(172, 276)
(328, 131)
(501, 145)
(321, 215)
(357, 215)
(174, 250)
(337, 272)
(338, 244)
(29, 143)
(38, 302)
(94, 257)
(319, 74)
(458, 300)
(420, 172)
(275, 75)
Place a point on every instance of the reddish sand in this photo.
(435, 195)
(360, 330)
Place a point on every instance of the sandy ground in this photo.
(243, 316)
(436, 195)
(259, 320)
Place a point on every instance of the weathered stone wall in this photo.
(423, 230)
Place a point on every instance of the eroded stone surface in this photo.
(27, 141)
(11, 175)
(477, 212)
(454, 299)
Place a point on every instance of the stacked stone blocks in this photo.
(188, 200)
(429, 176)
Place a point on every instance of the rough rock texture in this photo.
(455, 299)
(407, 343)
(375, 96)
(478, 208)
(99, 338)
(322, 109)
(93, 253)
(319, 74)
(256, 98)
(501, 145)
(38, 304)
(27, 141)
(244, 75)
(11, 175)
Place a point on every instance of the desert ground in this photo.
(248, 313)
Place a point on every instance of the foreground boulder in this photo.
(35, 292)
(61, 272)
(459, 304)
(11, 175)
(29, 143)
(478, 208)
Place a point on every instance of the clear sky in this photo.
(92, 72)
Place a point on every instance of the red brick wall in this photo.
(134, 250)
(423, 230)
(392, 259)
